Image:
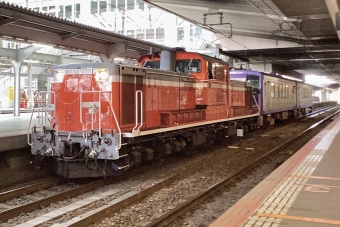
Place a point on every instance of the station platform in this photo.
(13, 130)
(304, 191)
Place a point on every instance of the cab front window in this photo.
(190, 65)
(151, 64)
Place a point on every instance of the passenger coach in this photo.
(276, 97)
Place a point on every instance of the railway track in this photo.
(169, 217)
(27, 189)
(97, 207)
(320, 111)
(13, 211)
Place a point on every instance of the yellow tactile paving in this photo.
(274, 209)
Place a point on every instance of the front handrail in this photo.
(257, 105)
(28, 129)
(81, 111)
(100, 119)
(119, 130)
(141, 111)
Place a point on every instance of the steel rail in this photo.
(134, 196)
(131, 197)
(29, 207)
(11, 194)
(321, 110)
(172, 215)
(92, 216)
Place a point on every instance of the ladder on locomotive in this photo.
(43, 107)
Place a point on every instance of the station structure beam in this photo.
(21, 55)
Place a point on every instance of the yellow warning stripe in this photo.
(314, 177)
(297, 218)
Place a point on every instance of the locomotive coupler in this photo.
(95, 140)
(49, 136)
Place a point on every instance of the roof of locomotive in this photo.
(84, 68)
(84, 65)
(209, 58)
(157, 56)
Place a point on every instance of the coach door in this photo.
(131, 97)
(254, 80)
(268, 93)
(297, 96)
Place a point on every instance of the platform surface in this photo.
(14, 130)
(10, 125)
(303, 192)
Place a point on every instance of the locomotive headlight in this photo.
(107, 141)
(102, 74)
(58, 76)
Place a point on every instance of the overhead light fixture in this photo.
(313, 79)
(40, 45)
(291, 20)
(32, 61)
(291, 78)
(119, 59)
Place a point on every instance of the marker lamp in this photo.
(102, 74)
(58, 76)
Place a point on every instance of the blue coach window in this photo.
(255, 83)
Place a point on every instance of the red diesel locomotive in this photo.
(103, 118)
